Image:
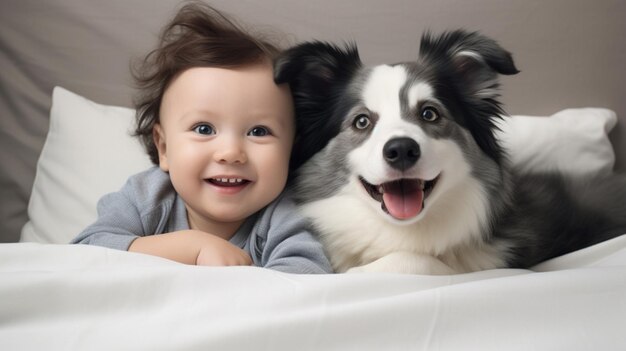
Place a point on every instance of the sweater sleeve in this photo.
(290, 244)
(142, 207)
(118, 223)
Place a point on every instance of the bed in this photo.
(65, 104)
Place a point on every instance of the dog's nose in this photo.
(401, 153)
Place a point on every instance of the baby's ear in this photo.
(158, 137)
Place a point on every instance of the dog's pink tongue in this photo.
(403, 199)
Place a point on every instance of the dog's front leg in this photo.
(407, 263)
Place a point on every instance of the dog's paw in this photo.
(406, 263)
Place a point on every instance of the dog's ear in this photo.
(474, 59)
(471, 63)
(318, 63)
(317, 74)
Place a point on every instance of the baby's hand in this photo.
(219, 252)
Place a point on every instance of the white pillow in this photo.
(573, 141)
(89, 152)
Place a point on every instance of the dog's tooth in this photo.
(380, 189)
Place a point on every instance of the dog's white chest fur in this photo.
(358, 238)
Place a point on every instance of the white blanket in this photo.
(63, 297)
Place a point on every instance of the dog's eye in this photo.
(429, 114)
(362, 122)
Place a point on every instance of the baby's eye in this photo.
(259, 131)
(204, 129)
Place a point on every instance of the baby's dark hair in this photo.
(198, 36)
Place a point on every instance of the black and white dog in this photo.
(401, 170)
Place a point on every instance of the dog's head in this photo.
(405, 132)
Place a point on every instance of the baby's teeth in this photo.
(231, 180)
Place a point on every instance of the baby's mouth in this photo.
(401, 198)
(227, 182)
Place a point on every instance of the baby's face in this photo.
(225, 137)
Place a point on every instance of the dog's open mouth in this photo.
(401, 198)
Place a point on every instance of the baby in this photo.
(221, 132)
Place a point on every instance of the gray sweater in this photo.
(276, 237)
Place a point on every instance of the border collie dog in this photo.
(400, 171)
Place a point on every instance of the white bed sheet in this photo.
(64, 297)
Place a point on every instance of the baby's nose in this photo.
(231, 150)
